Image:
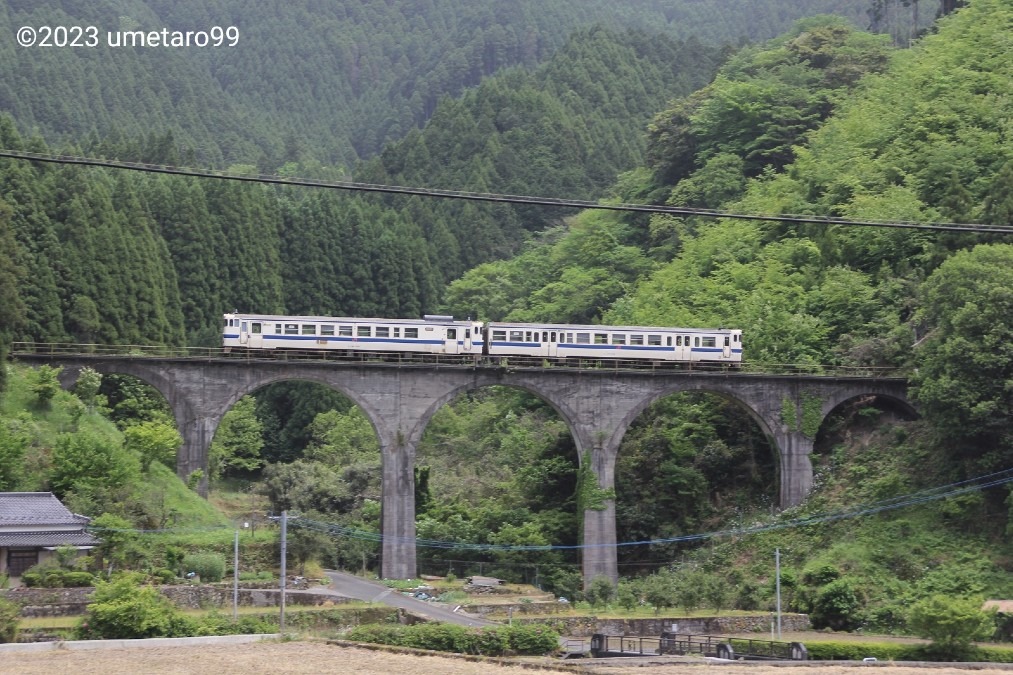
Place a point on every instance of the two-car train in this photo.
(446, 335)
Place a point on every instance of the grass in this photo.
(64, 622)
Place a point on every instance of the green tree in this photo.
(12, 307)
(951, 623)
(965, 363)
(14, 442)
(87, 386)
(600, 592)
(44, 384)
(86, 462)
(119, 540)
(153, 442)
(238, 441)
(660, 590)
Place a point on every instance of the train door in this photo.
(467, 340)
(550, 341)
(244, 335)
(726, 351)
(256, 338)
(683, 351)
(450, 345)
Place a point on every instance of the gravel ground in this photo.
(318, 657)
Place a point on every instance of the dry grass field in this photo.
(319, 657)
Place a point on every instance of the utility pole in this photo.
(777, 568)
(235, 579)
(284, 554)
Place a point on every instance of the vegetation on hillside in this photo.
(322, 85)
(824, 120)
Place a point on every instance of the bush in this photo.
(123, 610)
(49, 575)
(210, 567)
(9, 616)
(164, 576)
(856, 651)
(534, 640)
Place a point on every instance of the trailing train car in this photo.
(429, 335)
(722, 345)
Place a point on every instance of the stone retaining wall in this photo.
(720, 625)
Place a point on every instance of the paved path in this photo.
(351, 586)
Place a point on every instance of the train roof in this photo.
(434, 320)
(557, 326)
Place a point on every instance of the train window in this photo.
(696, 341)
(618, 339)
(327, 329)
(382, 331)
(709, 341)
(726, 341)
(291, 329)
(411, 332)
(678, 340)
(636, 339)
(499, 335)
(255, 328)
(527, 336)
(569, 337)
(553, 336)
(397, 332)
(451, 333)
(668, 341)
(363, 331)
(516, 336)
(309, 329)
(277, 329)
(654, 340)
(545, 336)
(345, 331)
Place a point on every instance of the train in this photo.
(445, 335)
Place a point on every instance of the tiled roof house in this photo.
(32, 526)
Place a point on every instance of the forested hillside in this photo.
(314, 82)
(824, 120)
(133, 258)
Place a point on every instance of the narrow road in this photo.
(351, 586)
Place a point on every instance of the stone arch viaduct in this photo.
(597, 405)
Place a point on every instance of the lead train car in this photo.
(430, 335)
(722, 345)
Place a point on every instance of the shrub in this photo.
(49, 575)
(164, 576)
(9, 617)
(209, 567)
(533, 640)
(121, 609)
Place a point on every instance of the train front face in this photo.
(230, 331)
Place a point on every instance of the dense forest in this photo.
(824, 119)
(319, 83)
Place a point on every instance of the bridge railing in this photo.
(440, 360)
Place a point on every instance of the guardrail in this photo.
(440, 360)
(732, 648)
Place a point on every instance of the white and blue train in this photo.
(445, 335)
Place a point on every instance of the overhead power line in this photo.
(978, 228)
